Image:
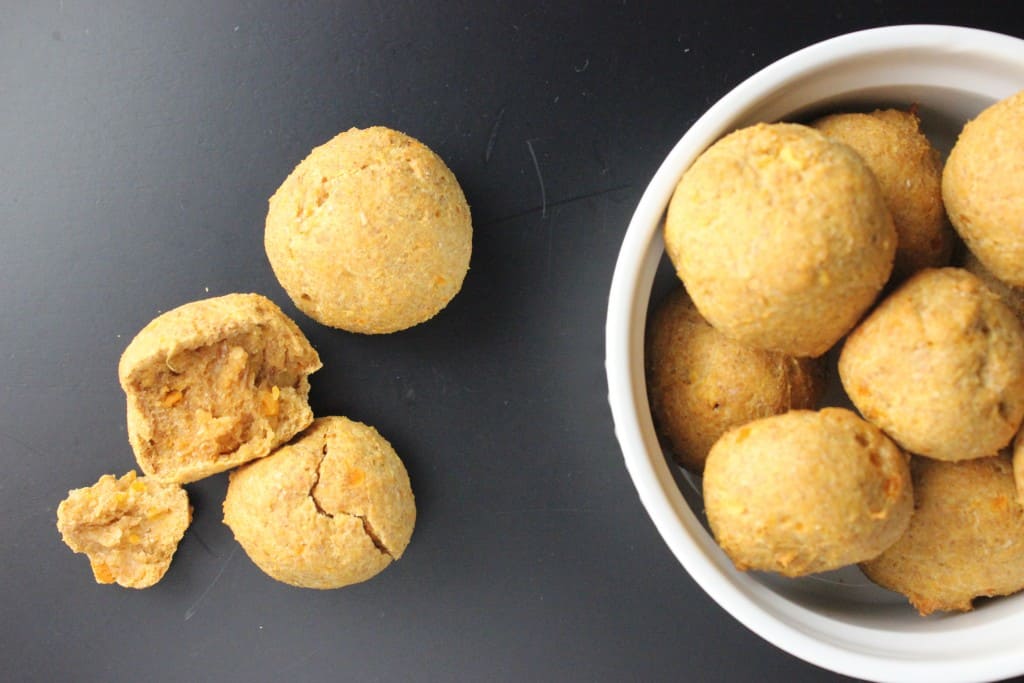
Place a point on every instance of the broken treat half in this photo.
(128, 527)
(330, 509)
(213, 384)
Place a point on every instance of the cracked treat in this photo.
(806, 492)
(701, 383)
(213, 384)
(909, 173)
(939, 366)
(981, 187)
(965, 539)
(330, 509)
(781, 236)
(370, 233)
(129, 527)
(1011, 296)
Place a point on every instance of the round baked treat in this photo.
(1011, 296)
(332, 508)
(909, 173)
(806, 492)
(939, 366)
(213, 384)
(965, 539)
(370, 233)
(129, 527)
(981, 187)
(781, 237)
(701, 383)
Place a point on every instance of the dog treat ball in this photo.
(983, 188)
(939, 366)
(781, 236)
(806, 492)
(332, 508)
(701, 383)
(215, 383)
(909, 173)
(965, 539)
(370, 233)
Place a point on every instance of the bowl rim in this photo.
(804, 633)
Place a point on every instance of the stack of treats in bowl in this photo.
(791, 240)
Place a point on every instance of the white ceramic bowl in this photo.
(838, 621)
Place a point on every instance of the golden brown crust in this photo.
(781, 237)
(1011, 296)
(939, 366)
(1018, 465)
(909, 173)
(701, 383)
(806, 492)
(332, 508)
(370, 233)
(981, 188)
(965, 539)
(128, 527)
(213, 384)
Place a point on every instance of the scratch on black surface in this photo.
(191, 611)
(561, 202)
(548, 510)
(540, 179)
(299, 661)
(24, 444)
(494, 134)
(200, 541)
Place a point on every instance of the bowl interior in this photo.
(838, 620)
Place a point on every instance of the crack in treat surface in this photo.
(331, 508)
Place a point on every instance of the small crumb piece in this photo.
(128, 527)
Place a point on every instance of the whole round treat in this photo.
(939, 366)
(781, 237)
(806, 492)
(982, 188)
(330, 509)
(1011, 296)
(370, 233)
(701, 383)
(909, 173)
(965, 539)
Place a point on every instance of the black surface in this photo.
(140, 142)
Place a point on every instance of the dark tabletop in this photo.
(140, 143)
